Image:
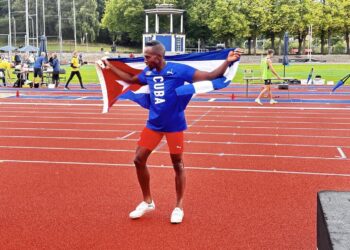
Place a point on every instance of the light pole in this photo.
(44, 17)
(86, 38)
(75, 27)
(14, 30)
(10, 35)
(33, 32)
(36, 23)
(27, 24)
(59, 25)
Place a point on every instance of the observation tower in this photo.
(172, 39)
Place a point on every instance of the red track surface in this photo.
(67, 180)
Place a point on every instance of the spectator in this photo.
(38, 69)
(5, 67)
(17, 59)
(81, 59)
(55, 63)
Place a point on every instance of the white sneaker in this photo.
(257, 100)
(177, 215)
(272, 101)
(141, 209)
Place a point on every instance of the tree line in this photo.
(232, 22)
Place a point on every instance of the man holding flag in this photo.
(166, 117)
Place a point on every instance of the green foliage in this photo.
(211, 21)
(124, 17)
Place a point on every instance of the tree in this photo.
(87, 20)
(124, 17)
(254, 12)
(305, 13)
(278, 19)
(346, 23)
(226, 22)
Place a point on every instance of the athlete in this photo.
(166, 118)
(75, 71)
(267, 69)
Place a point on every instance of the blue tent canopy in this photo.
(7, 48)
(28, 48)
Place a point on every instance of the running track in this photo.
(68, 182)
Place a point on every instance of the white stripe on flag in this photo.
(203, 87)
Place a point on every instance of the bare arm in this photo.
(204, 75)
(272, 69)
(123, 75)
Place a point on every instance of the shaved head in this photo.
(157, 47)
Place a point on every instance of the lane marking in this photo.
(166, 152)
(341, 152)
(187, 132)
(212, 99)
(189, 111)
(199, 118)
(126, 136)
(192, 106)
(274, 171)
(186, 141)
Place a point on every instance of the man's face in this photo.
(152, 60)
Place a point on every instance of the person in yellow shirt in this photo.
(5, 67)
(75, 71)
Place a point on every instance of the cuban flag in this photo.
(113, 88)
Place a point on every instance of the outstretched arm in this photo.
(123, 75)
(204, 75)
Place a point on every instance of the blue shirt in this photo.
(55, 65)
(166, 113)
(39, 62)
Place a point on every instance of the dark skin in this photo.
(154, 59)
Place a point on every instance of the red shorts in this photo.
(150, 139)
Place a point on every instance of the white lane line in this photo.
(195, 133)
(191, 106)
(341, 152)
(187, 167)
(197, 126)
(126, 136)
(187, 141)
(212, 99)
(226, 113)
(200, 118)
(166, 152)
(203, 120)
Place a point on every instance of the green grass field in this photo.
(330, 72)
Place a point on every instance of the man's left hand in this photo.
(234, 55)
